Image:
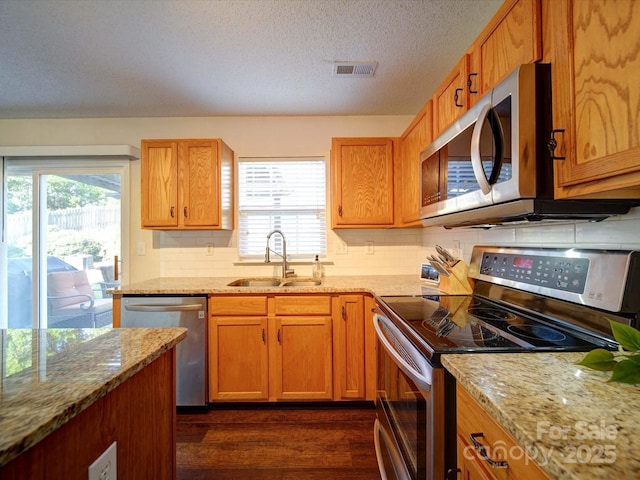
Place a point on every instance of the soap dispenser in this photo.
(318, 269)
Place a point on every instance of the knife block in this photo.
(458, 282)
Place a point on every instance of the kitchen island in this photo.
(68, 394)
(567, 418)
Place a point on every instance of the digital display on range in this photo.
(558, 273)
(523, 262)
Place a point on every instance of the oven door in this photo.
(410, 408)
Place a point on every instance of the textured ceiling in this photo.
(137, 58)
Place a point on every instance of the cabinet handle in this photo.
(263, 337)
(482, 451)
(455, 98)
(184, 211)
(470, 83)
(344, 313)
(172, 212)
(339, 210)
(452, 473)
(552, 144)
(279, 339)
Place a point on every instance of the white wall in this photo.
(394, 251)
(185, 253)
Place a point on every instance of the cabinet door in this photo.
(451, 99)
(349, 348)
(595, 102)
(362, 182)
(500, 446)
(200, 185)
(301, 363)
(159, 183)
(416, 138)
(238, 358)
(513, 37)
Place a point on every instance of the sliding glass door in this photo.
(62, 242)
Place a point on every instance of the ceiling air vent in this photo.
(354, 69)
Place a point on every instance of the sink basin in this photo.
(274, 282)
(255, 282)
(301, 283)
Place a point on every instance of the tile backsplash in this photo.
(384, 251)
(614, 233)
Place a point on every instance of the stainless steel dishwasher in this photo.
(176, 311)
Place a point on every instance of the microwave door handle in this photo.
(476, 159)
(498, 139)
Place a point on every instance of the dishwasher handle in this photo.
(141, 307)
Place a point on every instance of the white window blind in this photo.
(287, 194)
(461, 178)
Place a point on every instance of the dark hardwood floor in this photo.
(278, 443)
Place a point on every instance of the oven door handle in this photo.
(380, 435)
(422, 381)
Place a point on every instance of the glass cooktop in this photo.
(458, 323)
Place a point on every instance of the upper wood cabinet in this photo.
(186, 184)
(415, 138)
(513, 37)
(451, 99)
(595, 55)
(362, 174)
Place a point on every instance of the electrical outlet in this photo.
(106, 466)
(209, 249)
(456, 247)
(341, 247)
(141, 248)
(369, 248)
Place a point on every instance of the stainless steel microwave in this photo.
(493, 166)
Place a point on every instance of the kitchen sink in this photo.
(274, 282)
(301, 283)
(255, 282)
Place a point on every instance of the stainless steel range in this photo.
(524, 299)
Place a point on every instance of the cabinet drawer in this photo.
(238, 305)
(302, 304)
(473, 419)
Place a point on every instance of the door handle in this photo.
(162, 308)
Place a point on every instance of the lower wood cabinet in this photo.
(349, 350)
(288, 347)
(239, 361)
(504, 458)
(300, 364)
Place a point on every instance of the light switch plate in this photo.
(341, 247)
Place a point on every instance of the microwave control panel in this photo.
(558, 273)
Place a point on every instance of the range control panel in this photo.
(558, 273)
(605, 279)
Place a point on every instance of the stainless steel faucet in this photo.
(286, 271)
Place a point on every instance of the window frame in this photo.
(276, 244)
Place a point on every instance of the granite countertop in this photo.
(375, 285)
(579, 425)
(50, 376)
